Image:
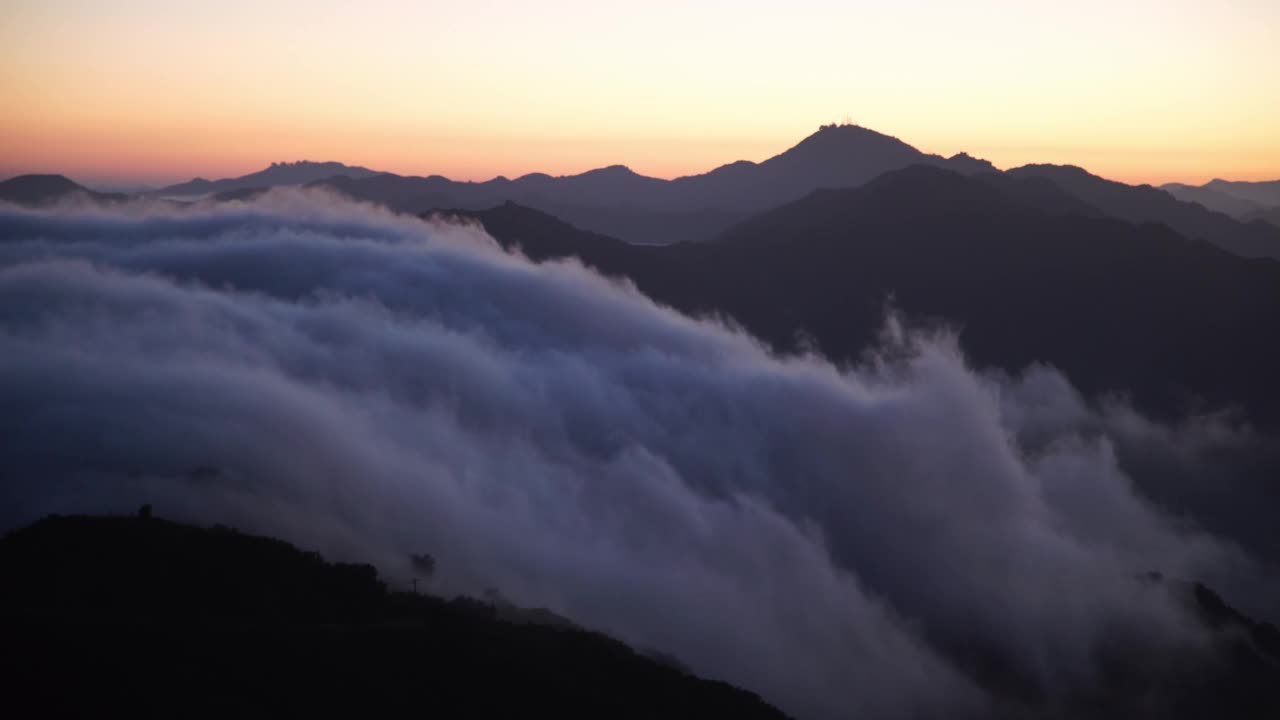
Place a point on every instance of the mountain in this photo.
(1214, 200)
(38, 190)
(1270, 215)
(638, 209)
(836, 156)
(1027, 272)
(141, 617)
(296, 173)
(1143, 203)
(1266, 193)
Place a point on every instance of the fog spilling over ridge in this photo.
(844, 541)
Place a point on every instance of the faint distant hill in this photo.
(40, 190)
(1266, 193)
(1237, 207)
(622, 203)
(1143, 203)
(285, 173)
(1270, 215)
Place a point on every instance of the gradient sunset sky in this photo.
(152, 91)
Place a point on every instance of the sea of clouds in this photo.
(844, 541)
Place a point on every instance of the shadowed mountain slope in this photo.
(1271, 215)
(1026, 272)
(136, 615)
(1144, 203)
(144, 617)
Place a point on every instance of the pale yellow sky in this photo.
(155, 91)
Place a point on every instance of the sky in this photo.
(151, 91)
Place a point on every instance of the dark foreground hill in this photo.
(108, 617)
(113, 616)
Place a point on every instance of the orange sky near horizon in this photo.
(141, 91)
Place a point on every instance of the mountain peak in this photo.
(969, 165)
(310, 164)
(38, 189)
(845, 133)
(840, 147)
(48, 180)
(612, 171)
(1049, 169)
(300, 172)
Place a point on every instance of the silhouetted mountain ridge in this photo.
(1029, 272)
(619, 202)
(40, 190)
(280, 173)
(616, 201)
(141, 615)
(1144, 203)
(136, 615)
(1266, 192)
(1271, 216)
(1214, 200)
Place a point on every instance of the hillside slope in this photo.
(107, 616)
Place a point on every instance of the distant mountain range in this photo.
(284, 173)
(1264, 193)
(1271, 215)
(620, 203)
(1143, 204)
(1214, 200)
(1243, 200)
(1029, 271)
(639, 209)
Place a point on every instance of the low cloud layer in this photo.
(838, 540)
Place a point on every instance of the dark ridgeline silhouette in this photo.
(1246, 201)
(1236, 207)
(615, 200)
(1271, 216)
(620, 203)
(1030, 273)
(149, 617)
(285, 173)
(638, 209)
(1144, 203)
(106, 617)
(42, 190)
(1265, 193)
